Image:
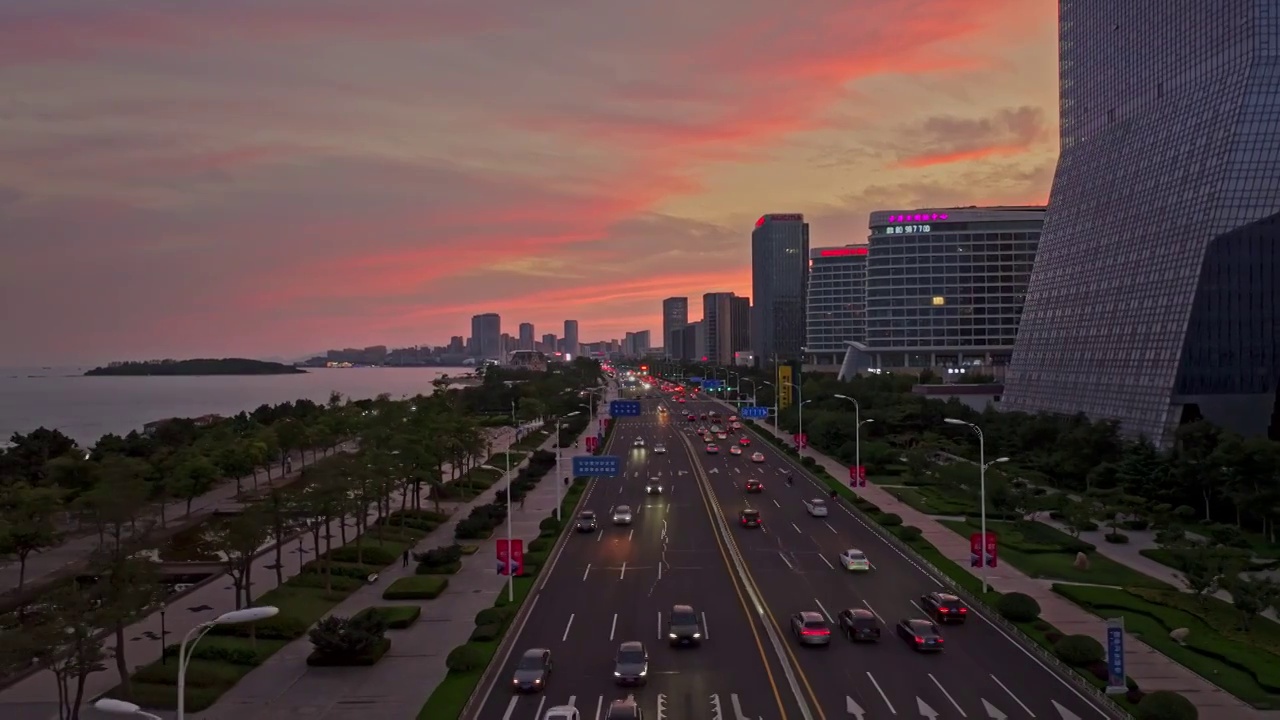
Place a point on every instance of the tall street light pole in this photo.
(753, 388)
(559, 452)
(858, 422)
(982, 489)
(800, 439)
(235, 617)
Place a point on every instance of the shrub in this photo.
(466, 658)
(549, 524)
(1116, 538)
(397, 617)
(231, 653)
(371, 657)
(1018, 607)
(416, 587)
(486, 633)
(1166, 705)
(889, 520)
(1079, 650)
(348, 570)
(473, 529)
(1053, 636)
(1088, 526)
(371, 554)
(337, 583)
(540, 545)
(343, 639)
(910, 533)
(450, 569)
(495, 615)
(280, 627)
(1136, 524)
(440, 556)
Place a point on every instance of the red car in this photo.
(692, 417)
(744, 441)
(754, 486)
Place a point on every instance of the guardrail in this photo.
(1064, 671)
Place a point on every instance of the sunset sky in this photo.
(277, 177)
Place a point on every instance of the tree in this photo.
(74, 473)
(281, 510)
(320, 504)
(128, 590)
(1251, 596)
(194, 476)
(340, 637)
(28, 520)
(240, 538)
(918, 464)
(1202, 568)
(233, 460)
(67, 645)
(1198, 469)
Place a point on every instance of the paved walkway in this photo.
(1149, 668)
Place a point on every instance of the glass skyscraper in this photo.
(1155, 297)
(779, 286)
(836, 305)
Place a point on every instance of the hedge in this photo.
(397, 617)
(317, 660)
(1079, 650)
(1018, 607)
(1166, 705)
(416, 587)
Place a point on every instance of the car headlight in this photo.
(537, 682)
(697, 635)
(644, 672)
(617, 674)
(672, 636)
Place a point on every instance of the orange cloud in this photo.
(946, 158)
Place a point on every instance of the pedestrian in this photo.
(406, 559)
(566, 481)
(521, 502)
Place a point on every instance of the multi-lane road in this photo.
(621, 582)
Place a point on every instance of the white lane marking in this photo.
(659, 624)
(882, 695)
(825, 614)
(573, 701)
(873, 611)
(599, 706)
(706, 634)
(1015, 697)
(944, 692)
(620, 488)
(566, 628)
(916, 605)
(586, 572)
(614, 627)
(797, 527)
(541, 701)
(631, 534)
(511, 708)
(599, 535)
(824, 522)
(777, 504)
(828, 562)
(623, 574)
(660, 569)
(785, 560)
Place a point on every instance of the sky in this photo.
(271, 178)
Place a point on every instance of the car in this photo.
(736, 425)
(735, 450)
(708, 438)
(855, 560)
(701, 430)
(810, 628)
(750, 518)
(733, 418)
(757, 457)
(744, 441)
(684, 626)
(754, 486)
(622, 515)
(631, 665)
(638, 443)
(722, 436)
(692, 417)
(626, 709)
(681, 401)
(717, 429)
(859, 625)
(562, 712)
(713, 449)
(653, 486)
(921, 634)
(817, 507)
(703, 416)
(660, 449)
(944, 607)
(586, 521)
(532, 671)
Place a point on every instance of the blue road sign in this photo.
(599, 465)
(624, 408)
(712, 384)
(694, 379)
(755, 413)
(1115, 655)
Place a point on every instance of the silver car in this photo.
(810, 628)
(817, 507)
(622, 515)
(631, 667)
(532, 671)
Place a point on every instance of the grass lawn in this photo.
(416, 587)
(397, 617)
(533, 440)
(1244, 663)
(1029, 547)
(927, 500)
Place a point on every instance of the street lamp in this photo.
(858, 422)
(800, 439)
(511, 583)
(753, 388)
(120, 707)
(982, 489)
(235, 617)
(559, 451)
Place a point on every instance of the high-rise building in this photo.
(835, 311)
(457, 344)
(549, 343)
(1157, 286)
(945, 286)
(676, 347)
(526, 336)
(717, 320)
(571, 345)
(675, 315)
(486, 336)
(695, 341)
(739, 324)
(779, 286)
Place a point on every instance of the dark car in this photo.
(944, 607)
(754, 486)
(586, 521)
(631, 666)
(627, 709)
(704, 416)
(921, 634)
(859, 625)
(532, 671)
(692, 417)
(750, 518)
(684, 626)
(810, 628)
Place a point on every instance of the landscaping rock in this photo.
(1081, 561)
(1180, 635)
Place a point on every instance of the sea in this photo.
(86, 408)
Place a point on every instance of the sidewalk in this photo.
(1150, 669)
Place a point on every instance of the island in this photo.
(200, 366)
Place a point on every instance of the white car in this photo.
(722, 436)
(817, 507)
(660, 449)
(757, 457)
(855, 560)
(622, 515)
(735, 450)
(717, 429)
(562, 712)
(639, 442)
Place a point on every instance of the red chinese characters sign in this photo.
(592, 443)
(510, 557)
(858, 476)
(976, 549)
(801, 440)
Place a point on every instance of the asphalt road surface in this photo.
(620, 583)
(794, 561)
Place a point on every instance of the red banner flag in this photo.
(976, 549)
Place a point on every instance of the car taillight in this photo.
(919, 640)
(964, 610)
(944, 610)
(816, 633)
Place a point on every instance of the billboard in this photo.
(783, 386)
